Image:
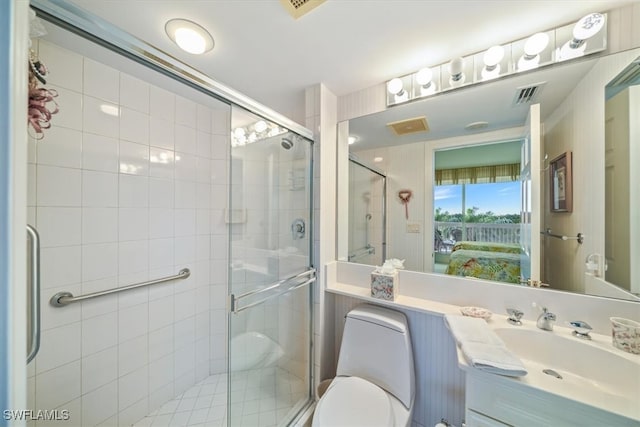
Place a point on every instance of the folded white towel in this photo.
(494, 358)
(470, 329)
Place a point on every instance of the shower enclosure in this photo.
(270, 275)
(367, 214)
(174, 218)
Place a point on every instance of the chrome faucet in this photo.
(545, 320)
(514, 316)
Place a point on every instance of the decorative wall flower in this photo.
(39, 113)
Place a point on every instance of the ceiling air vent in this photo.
(406, 127)
(297, 8)
(528, 94)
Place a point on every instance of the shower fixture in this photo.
(286, 143)
(298, 229)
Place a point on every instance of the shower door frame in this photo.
(300, 280)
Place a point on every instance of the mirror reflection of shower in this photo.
(367, 227)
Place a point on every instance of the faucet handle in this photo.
(514, 316)
(581, 329)
(547, 314)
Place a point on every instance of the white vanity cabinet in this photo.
(494, 400)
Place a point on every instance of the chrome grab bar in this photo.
(367, 250)
(579, 237)
(64, 298)
(234, 300)
(34, 278)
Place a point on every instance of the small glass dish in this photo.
(480, 312)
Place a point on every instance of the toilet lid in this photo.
(354, 402)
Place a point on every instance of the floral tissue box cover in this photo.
(384, 286)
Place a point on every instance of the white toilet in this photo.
(375, 382)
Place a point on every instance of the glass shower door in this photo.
(367, 214)
(270, 274)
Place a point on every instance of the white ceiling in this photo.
(347, 45)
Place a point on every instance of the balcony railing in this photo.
(452, 232)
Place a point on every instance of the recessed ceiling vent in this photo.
(528, 94)
(297, 8)
(409, 126)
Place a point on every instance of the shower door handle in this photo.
(34, 281)
(289, 284)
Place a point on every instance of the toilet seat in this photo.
(353, 402)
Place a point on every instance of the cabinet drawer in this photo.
(500, 398)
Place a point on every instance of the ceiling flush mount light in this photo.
(492, 58)
(189, 36)
(584, 29)
(532, 48)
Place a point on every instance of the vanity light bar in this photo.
(586, 37)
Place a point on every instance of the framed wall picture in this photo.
(561, 183)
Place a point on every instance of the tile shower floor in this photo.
(260, 398)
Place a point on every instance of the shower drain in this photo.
(552, 373)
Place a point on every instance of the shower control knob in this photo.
(298, 229)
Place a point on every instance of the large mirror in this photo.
(456, 201)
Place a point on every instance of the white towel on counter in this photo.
(470, 329)
(482, 348)
(493, 358)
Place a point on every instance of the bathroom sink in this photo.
(589, 371)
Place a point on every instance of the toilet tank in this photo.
(376, 346)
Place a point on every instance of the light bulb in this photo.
(455, 69)
(536, 44)
(238, 132)
(493, 56)
(260, 126)
(584, 29)
(424, 76)
(455, 66)
(352, 140)
(489, 73)
(588, 26)
(525, 64)
(569, 50)
(394, 86)
(532, 48)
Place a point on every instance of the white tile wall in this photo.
(121, 192)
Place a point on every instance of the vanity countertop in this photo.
(595, 375)
(402, 301)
